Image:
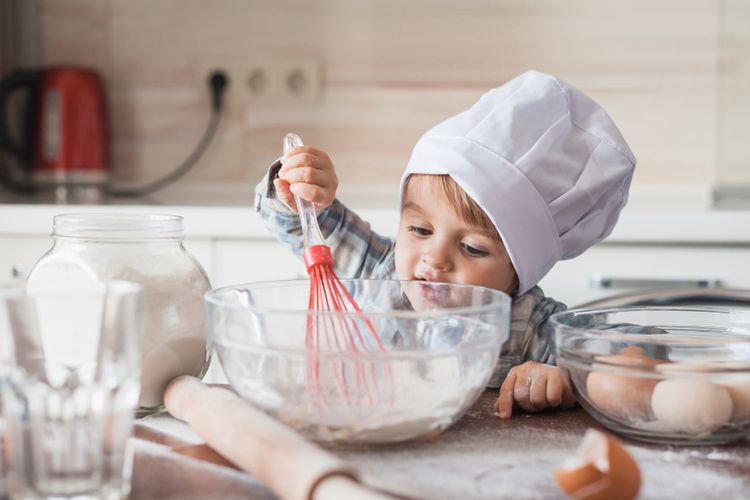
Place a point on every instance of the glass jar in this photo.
(146, 249)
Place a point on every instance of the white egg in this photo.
(738, 384)
(691, 406)
(740, 394)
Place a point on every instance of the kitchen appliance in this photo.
(63, 136)
(59, 135)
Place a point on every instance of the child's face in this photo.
(435, 244)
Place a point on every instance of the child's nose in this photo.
(437, 259)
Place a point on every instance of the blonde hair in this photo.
(467, 209)
(463, 204)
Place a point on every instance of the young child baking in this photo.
(532, 173)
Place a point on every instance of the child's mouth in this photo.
(434, 293)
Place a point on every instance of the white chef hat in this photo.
(545, 163)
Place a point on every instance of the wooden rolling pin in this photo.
(289, 465)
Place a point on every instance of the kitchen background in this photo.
(363, 79)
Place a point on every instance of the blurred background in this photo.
(363, 79)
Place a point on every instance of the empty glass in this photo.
(71, 388)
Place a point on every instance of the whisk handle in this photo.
(309, 219)
(306, 209)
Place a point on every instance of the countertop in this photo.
(654, 213)
(481, 457)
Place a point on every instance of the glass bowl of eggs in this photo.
(407, 366)
(677, 375)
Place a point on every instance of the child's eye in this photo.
(474, 252)
(420, 230)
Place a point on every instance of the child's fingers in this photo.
(284, 194)
(522, 393)
(298, 152)
(554, 389)
(504, 403)
(309, 176)
(320, 178)
(568, 398)
(289, 163)
(305, 157)
(310, 192)
(538, 391)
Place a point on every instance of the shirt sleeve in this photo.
(358, 252)
(531, 336)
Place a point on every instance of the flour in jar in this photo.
(173, 340)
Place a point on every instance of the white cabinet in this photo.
(606, 269)
(615, 268)
(242, 261)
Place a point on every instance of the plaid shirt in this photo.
(359, 252)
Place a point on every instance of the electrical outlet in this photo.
(203, 66)
(291, 82)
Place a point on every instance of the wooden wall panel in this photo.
(734, 94)
(389, 70)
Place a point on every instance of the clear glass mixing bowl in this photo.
(678, 375)
(440, 343)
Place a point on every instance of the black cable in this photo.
(17, 186)
(188, 164)
(218, 83)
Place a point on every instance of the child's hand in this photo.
(534, 386)
(309, 173)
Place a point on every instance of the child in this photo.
(532, 173)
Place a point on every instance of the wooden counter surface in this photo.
(482, 456)
(479, 457)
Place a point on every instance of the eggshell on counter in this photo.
(622, 396)
(602, 469)
(691, 406)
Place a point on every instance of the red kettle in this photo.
(64, 133)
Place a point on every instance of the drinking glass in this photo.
(71, 388)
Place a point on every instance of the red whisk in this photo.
(335, 321)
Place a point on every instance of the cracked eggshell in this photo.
(602, 469)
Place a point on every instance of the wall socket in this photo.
(279, 82)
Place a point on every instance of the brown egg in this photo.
(622, 396)
(601, 470)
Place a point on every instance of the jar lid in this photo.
(118, 226)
